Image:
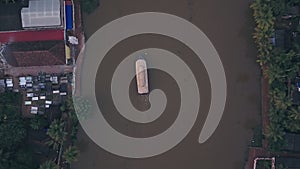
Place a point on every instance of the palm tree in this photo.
(49, 165)
(263, 15)
(278, 6)
(38, 122)
(280, 166)
(279, 99)
(295, 113)
(53, 144)
(292, 125)
(275, 132)
(275, 136)
(71, 154)
(275, 115)
(57, 132)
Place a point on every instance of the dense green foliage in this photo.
(68, 107)
(13, 152)
(49, 165)
(7, 1)
(71, 154)
(57, 133)
(264, 164)
(265, 27)
(38, 122)
(280, 66)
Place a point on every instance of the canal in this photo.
(229, 25)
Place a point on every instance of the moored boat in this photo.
(141, 76)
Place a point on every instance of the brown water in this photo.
(228, 25)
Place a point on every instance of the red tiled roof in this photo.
(31, 35)
(53, 56)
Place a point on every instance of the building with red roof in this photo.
(34, 32)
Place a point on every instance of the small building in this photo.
(42, 85)
(54, 79)
(279, 38)
(63, 93)
(48, 102)
(35, 98)
(22, 81)
(29, 95)
(27, 103)
(63, 87)
(63, 79)
(29, 85)
(292, 142)
(28, 79)
(34, 110)
(42, 13)
(289, 163)
(42, 97)
(9, 83)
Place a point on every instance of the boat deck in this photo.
(141, 76)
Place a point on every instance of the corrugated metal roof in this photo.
(42, 13)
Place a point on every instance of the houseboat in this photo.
(141, 76)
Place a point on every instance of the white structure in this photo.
(28, 85)
(9, 83)
(22, 81)
(27, 103)
(42, 13)
(28, 79)
(63, 93)
(54, 79)
(35, 98)
(48, 102)
(268, 159)
(42, 97)
(34, 110)
(73, 40)
(29, 94)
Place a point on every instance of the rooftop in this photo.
(31, 35)
(290, 163)
(24, 54)
(30, 13)
(41, 13)
(293, 142)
